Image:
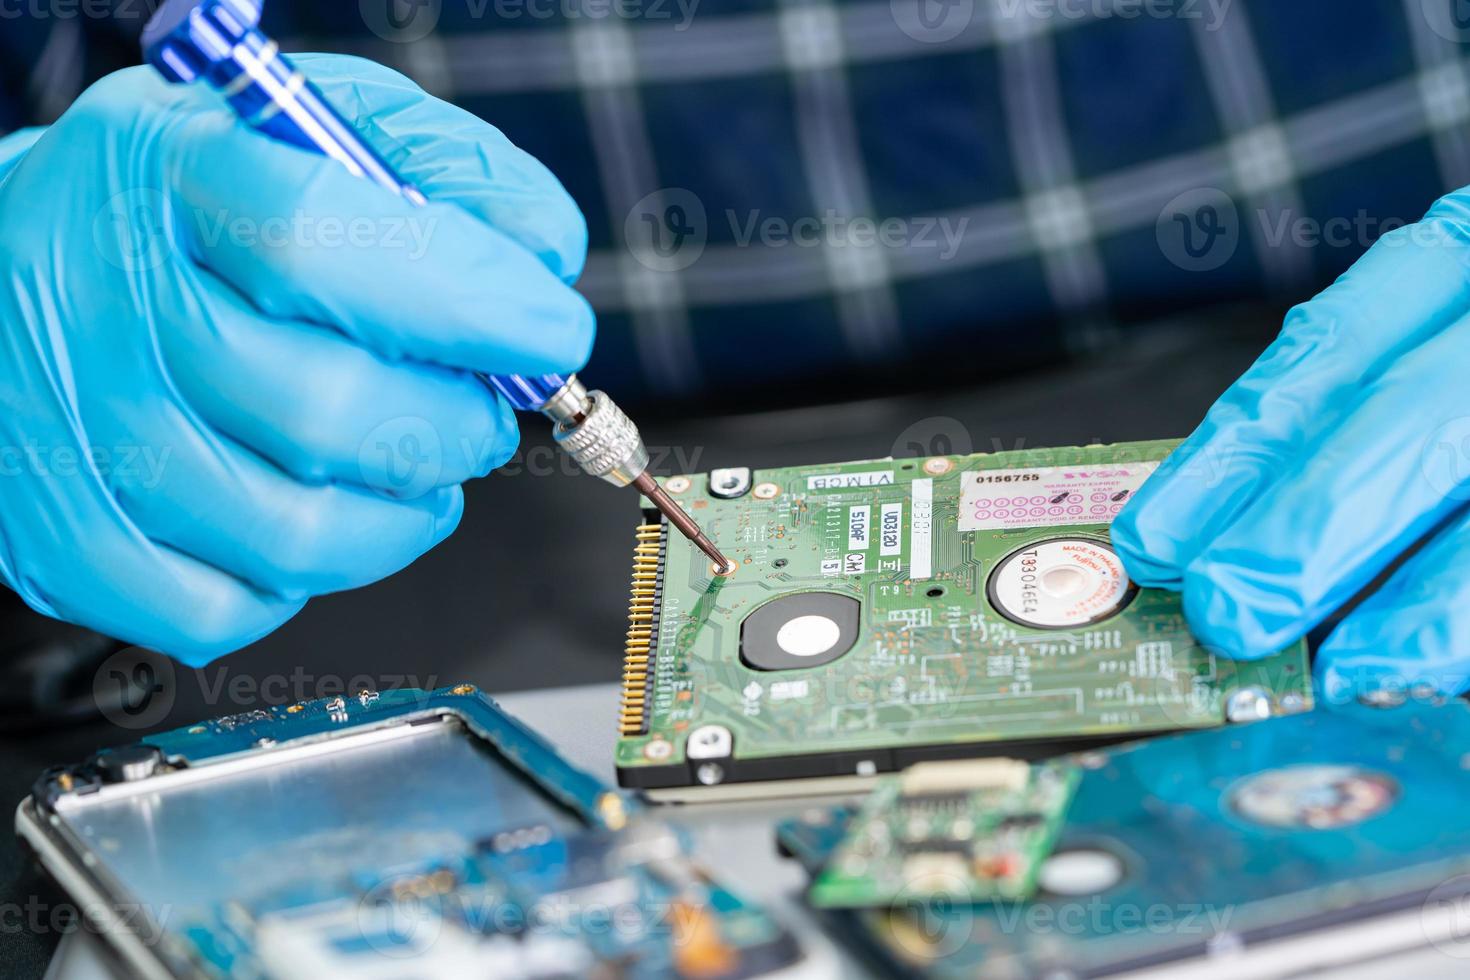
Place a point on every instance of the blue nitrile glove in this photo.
(1345, 444)
(232, 376)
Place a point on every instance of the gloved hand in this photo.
(233, 376)
(1345, 444)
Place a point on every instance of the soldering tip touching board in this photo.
(885, 612)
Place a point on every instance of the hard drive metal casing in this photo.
(376, 834)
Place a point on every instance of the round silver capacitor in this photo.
(1061, 583)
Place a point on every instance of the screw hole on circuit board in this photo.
(780, 563)
(935, 592)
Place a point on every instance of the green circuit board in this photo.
(887, 611)
(963, 831)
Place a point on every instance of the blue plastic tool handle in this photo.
(220, 42)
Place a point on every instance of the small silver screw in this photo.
(1383, 697)
(1246, 705)
(1426, 693)
(710, 774)
(710, 742)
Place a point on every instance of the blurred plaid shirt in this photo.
(860, 192)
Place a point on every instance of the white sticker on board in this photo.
(1049, 496)
(850, 481)
(857, 528)
(890, 529)
(921, 530)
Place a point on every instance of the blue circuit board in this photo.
(1195, 845)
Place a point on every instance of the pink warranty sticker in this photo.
(1051, 496)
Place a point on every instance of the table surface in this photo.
(736, 842)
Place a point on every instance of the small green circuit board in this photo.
(888, 612)
(962, 831)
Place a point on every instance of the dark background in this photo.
(532, 590)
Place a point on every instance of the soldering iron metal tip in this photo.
(683, 522)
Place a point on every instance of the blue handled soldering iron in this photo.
(219, 41)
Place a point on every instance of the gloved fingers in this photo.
(325, 409)
(303, 239)
(230, 509)
(14, 146)
(1338, 512)
(1409, 287)
(455, 157)
(154, 597)
(1413, 631)
(213, 614)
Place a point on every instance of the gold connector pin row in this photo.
(642, 603)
